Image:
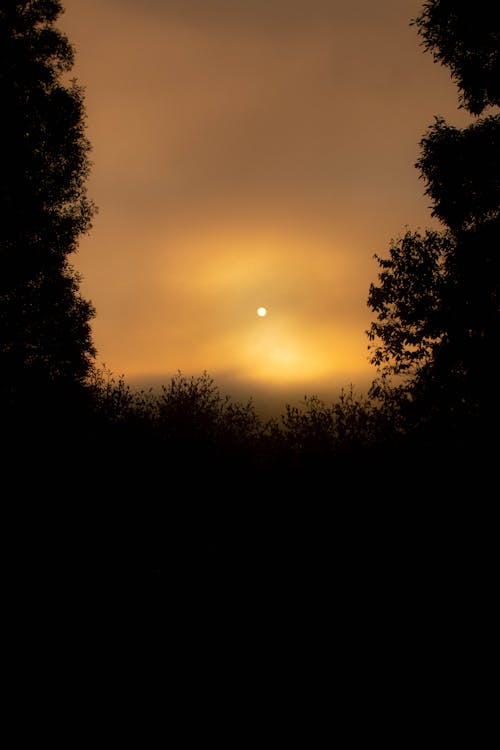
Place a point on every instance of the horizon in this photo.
(269, 400)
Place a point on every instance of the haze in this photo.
(248, 153)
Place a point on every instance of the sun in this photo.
(261, 312)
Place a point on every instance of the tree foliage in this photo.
(190, 417)
(437, 299)
(408, 302)
(45, 334)
(465, 37)
(316, 430)
(192, 413)
(461, 169)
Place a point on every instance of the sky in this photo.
(246, 154)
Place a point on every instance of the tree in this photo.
(465, 37)
(45, 335)
(409, 304)
(438, 297)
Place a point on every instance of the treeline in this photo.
(191, 414)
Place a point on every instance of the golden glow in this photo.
(226, 179)
(209, 281)
(193, 308)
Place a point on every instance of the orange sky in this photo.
(247, 153)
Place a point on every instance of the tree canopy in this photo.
(437, 299)
(465, 36)
(45, 335)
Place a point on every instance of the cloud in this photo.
(247, 153)
(247, 15)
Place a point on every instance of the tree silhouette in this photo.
(438, 297)
(45, 336)
(466, 39)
